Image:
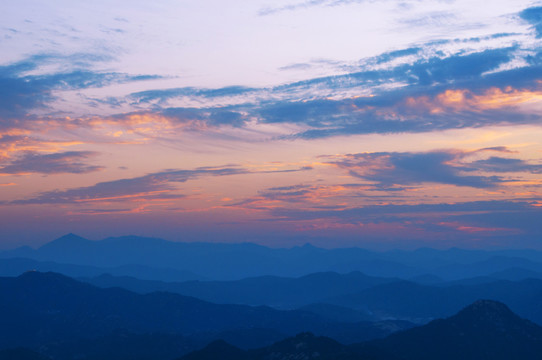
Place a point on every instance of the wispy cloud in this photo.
(534, 16)
(148, 187)
(452, 167)
(453, 221)
(24, 86)
(429, 94)
(159, 185)
(57, 163)
(304, 5)
(452, 84)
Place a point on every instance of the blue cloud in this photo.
(158, 185)
(367, 115)
(304, 5)
(57, 163)
(313, 102)
(20, 93)
(501, 165)
(534, 16)
(212, 116)
(376, 211)
(148, 187)
(162, 95)
(388, 170)
(392, 55)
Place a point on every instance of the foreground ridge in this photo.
(486, 329)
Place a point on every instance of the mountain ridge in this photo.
(473, 333)
(233, 261)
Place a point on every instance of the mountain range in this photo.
(483, 330)
(220, 261)
(44, 309)
(145, 298)
(353, 296)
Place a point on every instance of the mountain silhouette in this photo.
(483, 330)
(44, 308)
(280, 292)
(234, 261)
(422, 303)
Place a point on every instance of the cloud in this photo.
(290, 7)
(304, 5)
(391, 169)
(418, 89)
(434, 69)
(159, 185)
(171, 121)
(534, 16)
(20, 141)
(268, 199)
(396, 54)
(296, 66)
(481, 218)
(148, 186)
(162, 95)
(24, 87)
(58, 163)
(454, 92)
(440, 85)
(501, 165)
(394, 211)
(208, 116)
(501, 221)
(430, 19)
(405, 111)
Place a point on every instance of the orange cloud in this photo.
(475, 229)
(16, 144)
(8, 184)
(463, 99)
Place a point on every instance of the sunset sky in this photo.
(379, 124)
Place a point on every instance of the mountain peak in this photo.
(68, 238)
(71, 237)
(488, 306)
(488, 311)
(68, 241)
(486, 329)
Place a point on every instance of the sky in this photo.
(379, 124)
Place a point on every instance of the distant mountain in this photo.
(279, 292)
(426, 279)
(210, 260)
(491, 265)
(421, 303)
(17, 266)
(219, 261)
(337, 313)
(515, 274)
(49, 307)
(484, 330)
(42, 308)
